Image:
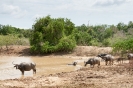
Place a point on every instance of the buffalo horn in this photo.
(13, 63)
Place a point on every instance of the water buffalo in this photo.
(130, 57)
(92, 62)
(25, 66)
(101, 55)
(120, 60)
(74, 64)
(107, 57)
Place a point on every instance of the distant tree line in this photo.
(13, 36)
(119, 37)
(50, 35)
(8, 29)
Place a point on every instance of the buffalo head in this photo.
(74, 63)
(85, 63)
(15, 65)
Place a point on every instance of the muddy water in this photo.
(45, 65)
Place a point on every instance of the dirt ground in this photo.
(115, 76)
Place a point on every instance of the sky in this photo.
(23, 13)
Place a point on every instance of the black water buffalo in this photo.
(92, 62)
(25, 66)
(107, 57)
(74, 64)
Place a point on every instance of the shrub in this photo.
(125, 45)
(66, 44)
(52, 35)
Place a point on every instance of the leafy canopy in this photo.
(52, 35)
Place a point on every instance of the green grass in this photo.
(13, 40)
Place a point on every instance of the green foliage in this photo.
(66, 44)
(59, 34)
(82, 38)
(5, 30)
(125, 45)
(93, 35)
(103, 35)
(106, 42)
(34, 49)
(52, 35)
(8, 40)
(46, 48)
(82, 28)
(124, 27)
(94, 42)
(108, 33)
(51, 29)
(36, 38)
(69, 27)
(9, 30)
(13, 36)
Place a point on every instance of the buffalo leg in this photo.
(93, 66)
(98, 65)
(90, 65)
(34, 71)
(110, 62)
(106, 62)
(22, 72)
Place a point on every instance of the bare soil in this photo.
(116, 76)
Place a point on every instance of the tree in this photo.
(52, 35)
(130, 24)
(122, 26)
(6, 29)
(82, 38)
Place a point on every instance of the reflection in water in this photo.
(44, 65)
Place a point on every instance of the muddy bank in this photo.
(15, 50)
(18, 50)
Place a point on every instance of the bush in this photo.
(46, 48)
(8, 40)
(66, 44)
(52, 35)
(12, 40)
(106, 42)
(125, 45)
(94, 42)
